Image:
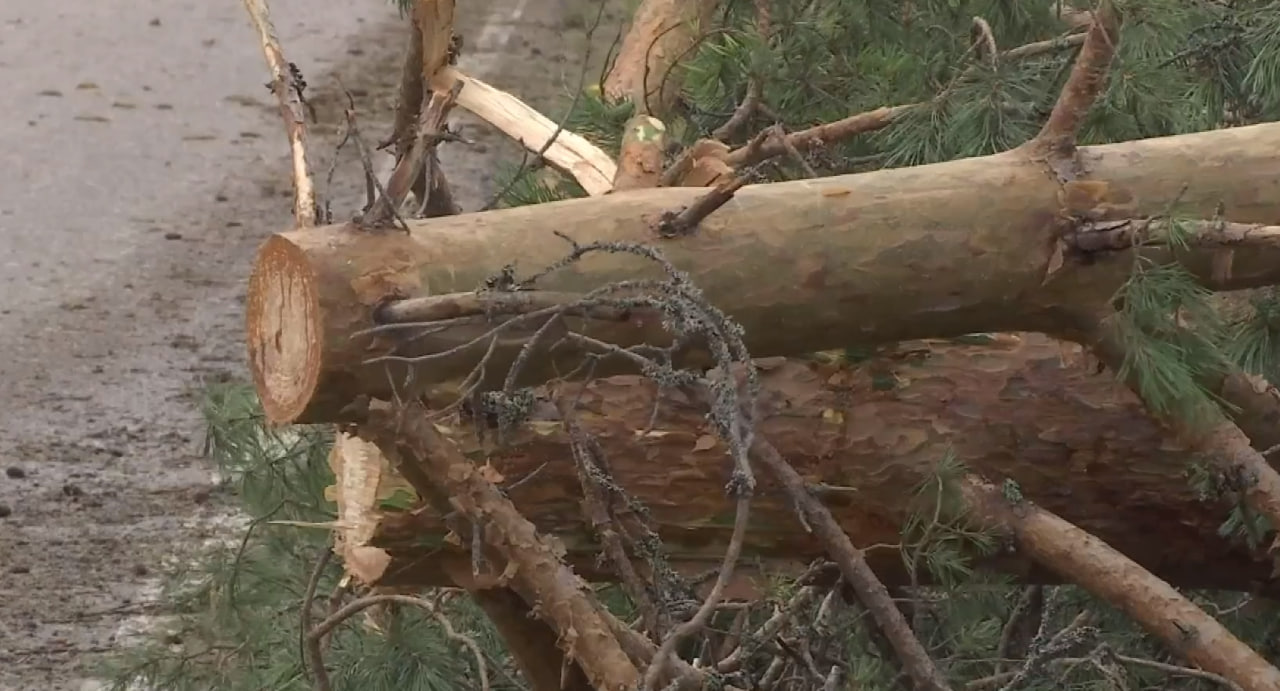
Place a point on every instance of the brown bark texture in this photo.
(928, 251)
(533, 559)
(662, 32)
(530, 642)
(1076, 441)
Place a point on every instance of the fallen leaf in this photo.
(705, 442)
(835, 417)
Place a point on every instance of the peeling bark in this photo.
(1077, 442)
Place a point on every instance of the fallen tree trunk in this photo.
(1076, 442)
(928, 251)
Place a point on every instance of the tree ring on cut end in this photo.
(283, 324)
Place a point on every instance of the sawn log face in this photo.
(1028, 409)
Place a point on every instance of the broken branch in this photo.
(857, 573)
(286, 85)
(411, 167)
(568, 152)
(1109, 575)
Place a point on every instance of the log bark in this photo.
(1076, 442)
(662, 32)
(928, 251)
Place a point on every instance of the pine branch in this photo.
(755, 85)
(324, 628)
(1108, 574)
(880, 118)
(1087, 82)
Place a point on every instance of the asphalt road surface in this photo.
(141, 163)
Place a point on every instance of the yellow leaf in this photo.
(704, 442)
(835, 417)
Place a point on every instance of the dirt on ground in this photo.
(143, 163)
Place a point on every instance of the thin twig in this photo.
(286, 85)
(311, 645)
(699, 620)
(356, 606)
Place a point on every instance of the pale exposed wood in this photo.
(926, 251)
(291, 111)
(569, 152)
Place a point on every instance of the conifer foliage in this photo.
(759, 91)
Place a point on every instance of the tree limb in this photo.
(562, 598)
(1109, 575)
(286, 85)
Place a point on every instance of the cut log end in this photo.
(284, 331)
